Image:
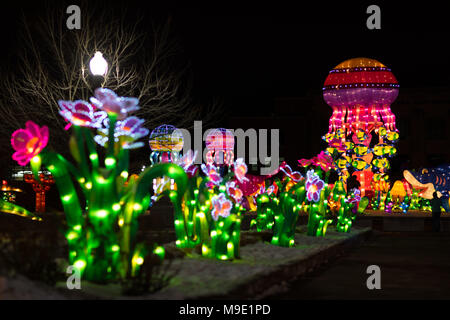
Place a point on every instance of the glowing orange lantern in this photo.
(398, 191)
(40, 187)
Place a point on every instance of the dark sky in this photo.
(249, 54)
(252, 53)
(287, 50)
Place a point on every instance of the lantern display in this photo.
(428, 180)
(40, 187)
(166, 142)
(220, 145)
(9, 192)
(398, 191)
(360, 91)
(101, 214)
(365, 179)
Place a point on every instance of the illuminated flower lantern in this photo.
(166, 142)
(220, 145)
(360, 91)
(40, 188)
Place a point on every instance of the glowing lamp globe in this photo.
(98, 64)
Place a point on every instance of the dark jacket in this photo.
(435, 205)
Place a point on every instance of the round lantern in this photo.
(166, 142)
(220, 142)
(360, 92)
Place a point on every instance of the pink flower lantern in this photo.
(28, 142)
(108, 101)
(81, 113)
(221, 206)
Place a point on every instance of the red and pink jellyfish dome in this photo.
(360, 91)
(220, 142)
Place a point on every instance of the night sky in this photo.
(249, 54)
(254, 54)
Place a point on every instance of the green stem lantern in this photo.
(209, 217)
(317, 195)
(280, 212)
(102, 218)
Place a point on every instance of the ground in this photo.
(414, 265)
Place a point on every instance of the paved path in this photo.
(413, 266)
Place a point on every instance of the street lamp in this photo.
(98, 65)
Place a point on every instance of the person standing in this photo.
(436, 212)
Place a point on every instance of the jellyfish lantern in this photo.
(220, 146)
(166, 142)
(360, 92)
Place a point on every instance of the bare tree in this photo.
(53, 65)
